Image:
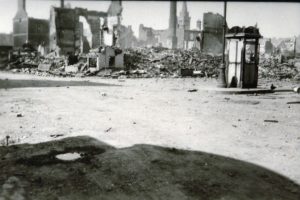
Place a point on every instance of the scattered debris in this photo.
(44, 67)
(293, 102)
(247, 102)
(271, 120)
(107, 130)
(71, 69)
(272, 68)
(56, 135)
(184, 72)
(193, 90)
(20, 115)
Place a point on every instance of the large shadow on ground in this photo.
(138, 172)
(12, 83)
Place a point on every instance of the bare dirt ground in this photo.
(157, 112)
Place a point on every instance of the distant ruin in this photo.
(209, 40)
(185, 36)
(29, 29)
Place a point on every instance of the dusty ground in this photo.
(162, 112)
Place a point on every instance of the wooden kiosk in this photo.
(243, 57)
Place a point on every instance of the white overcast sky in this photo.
(273, 19)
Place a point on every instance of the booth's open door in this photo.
(250, 70)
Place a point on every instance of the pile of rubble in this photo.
(153, 62)
(139, 62)
(273, 69)
(31, 63)
(145, 63)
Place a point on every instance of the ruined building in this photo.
(66, 31)
(212, 34)
(179, 33)
(148, 36)
(35, 31)
(187, 38)
(269, 47)
(6, 44)
(184, 19)
(166, 37)
(209, 40)
(126, 38)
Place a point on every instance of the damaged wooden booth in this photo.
(243, 57)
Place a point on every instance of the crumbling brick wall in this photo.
(63, 24)
(66, 30)
(38, 31)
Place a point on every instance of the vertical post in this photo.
(295, 47)
(224, 31)
(62, 3)
(221, 78)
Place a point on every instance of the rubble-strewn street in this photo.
(158, 112)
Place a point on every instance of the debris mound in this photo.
(138, 63)
(271, 68)
(161, 62)
(144, 63)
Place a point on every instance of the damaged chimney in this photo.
(22, 5)
(173, 24)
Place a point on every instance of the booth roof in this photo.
(245, 32)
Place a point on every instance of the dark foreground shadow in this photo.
(139, 172)
(11, 83)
